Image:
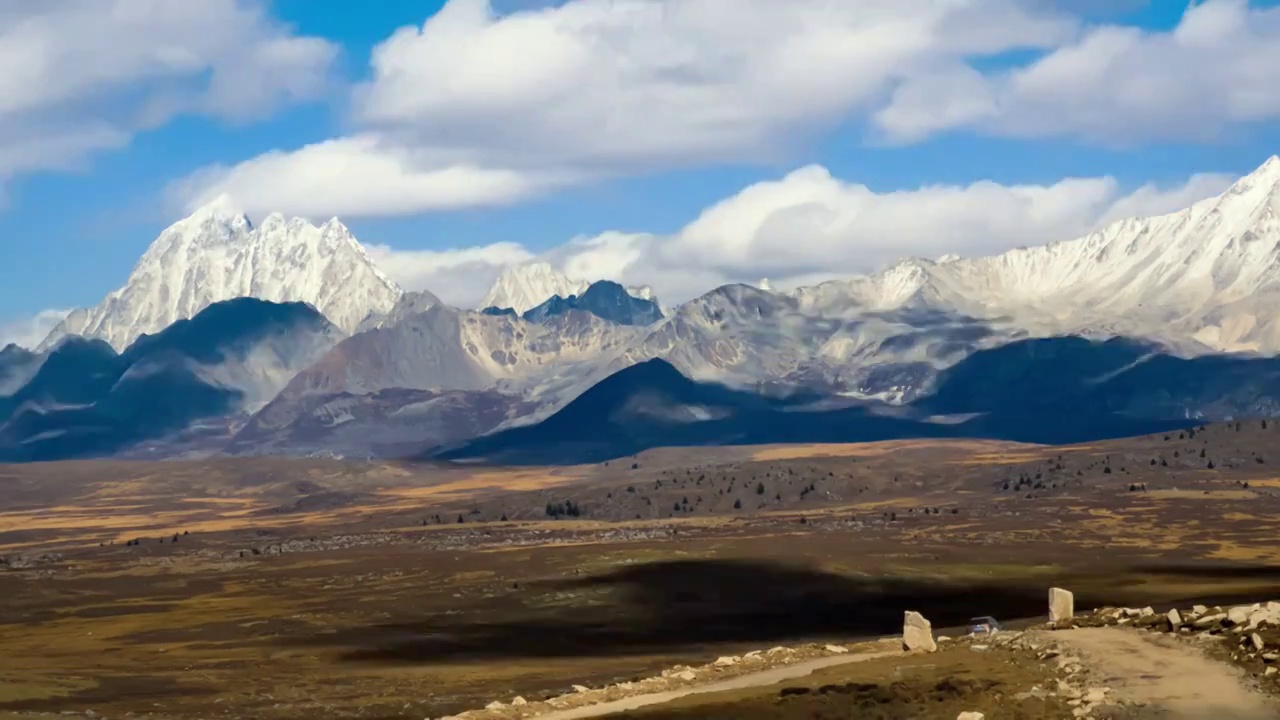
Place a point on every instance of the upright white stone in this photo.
(917, 633)
(1062, 605)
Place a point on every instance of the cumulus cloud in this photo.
(353, 177)
(30, 332)
(1112, 84)
(79, 76)
(459, 276)
(476, 107)
(809, 226)
(598, 88)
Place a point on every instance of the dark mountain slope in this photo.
(86, 400)
(651, 404)
(604, 299)
(1056, 390)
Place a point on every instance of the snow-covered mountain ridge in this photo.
(216, 254)
(1209, 274)
(415, 371)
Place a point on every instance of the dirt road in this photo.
(1171, 678)
(760, 679)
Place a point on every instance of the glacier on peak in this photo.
(217, 254)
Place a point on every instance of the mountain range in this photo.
(651, 404)
(1190, 297)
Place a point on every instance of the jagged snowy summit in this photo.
(216, 254)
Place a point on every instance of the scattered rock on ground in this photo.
(1210, 620)
(917, 633)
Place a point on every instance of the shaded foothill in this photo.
(687, 605)
(1055, 391)
(86, 400)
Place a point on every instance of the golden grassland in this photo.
(875, 449)
(429, 620)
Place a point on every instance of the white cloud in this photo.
(621, 84)
(1113, 84)
(352, 177)
(30, 332)
(596, 88)
(1151, 200)
(809, 226)
(459, 277)
(78, 76)
(477, 108)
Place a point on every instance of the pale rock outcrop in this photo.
(917, 633)
(1062, 605)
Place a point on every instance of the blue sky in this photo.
(596, 133)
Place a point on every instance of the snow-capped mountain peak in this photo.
(1208, 273)
(216, 254)
(528, 285)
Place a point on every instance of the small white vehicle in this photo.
(984, 625)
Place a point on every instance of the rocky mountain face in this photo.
(87, 400)
(408, 305)
(770, 342)
(1050, 390)
(604, 299)
(216, 254)
(432, 365)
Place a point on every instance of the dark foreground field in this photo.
(304, 589)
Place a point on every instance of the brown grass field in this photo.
(312, 588)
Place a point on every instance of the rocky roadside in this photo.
(672, 679)
(1248, 636)
(1074, 682)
